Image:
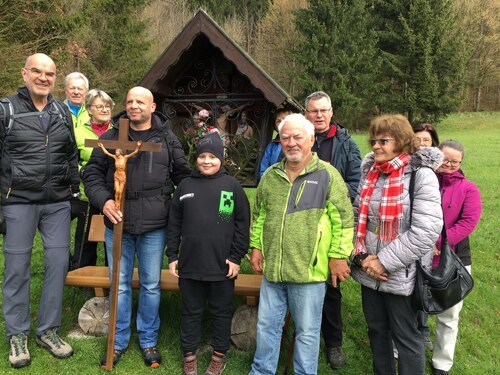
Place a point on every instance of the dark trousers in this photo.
(331, 324)
(219, 297)
(392, 318)
(85, 252)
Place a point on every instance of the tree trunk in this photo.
(244, 327)
(94, 316)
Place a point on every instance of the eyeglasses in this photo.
(453, 163)
(100, 107)
(318, 111)
(380, 141)
(38, 73)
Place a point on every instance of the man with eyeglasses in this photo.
(334, 145)
(38, 174)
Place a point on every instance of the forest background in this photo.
(423, 58)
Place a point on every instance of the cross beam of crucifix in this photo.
(122, 144)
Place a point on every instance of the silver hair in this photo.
(297, 118)
(76, 75)
(317, 96)
(94, 94)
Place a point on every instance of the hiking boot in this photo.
(336, 357)
(439, 372)
(189, 365)
(19, 356)
(51, 341)
(117, 354)
(152, 357)
(216, 366)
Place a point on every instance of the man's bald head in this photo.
(140, 106)
(39, 75)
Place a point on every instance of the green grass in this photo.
(476, 351)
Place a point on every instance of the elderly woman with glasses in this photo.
(99, 106)
(461, 203)
(391, 234)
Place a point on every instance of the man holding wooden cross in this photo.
(149, 184)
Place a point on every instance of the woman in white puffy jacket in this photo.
(390, 237)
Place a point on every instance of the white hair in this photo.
(76, 75)
(297, 118)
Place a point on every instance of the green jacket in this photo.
(83, 132)
(82, 117)
(298, 226)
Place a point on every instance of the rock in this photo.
(94, 316)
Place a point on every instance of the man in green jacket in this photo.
(301, 234)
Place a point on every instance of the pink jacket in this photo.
(461, 203)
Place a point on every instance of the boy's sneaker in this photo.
(216, 366)
(19, 356)
(117, 354)
(152, 357)
(51, 341)
(189, 365)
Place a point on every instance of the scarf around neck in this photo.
(390, 213)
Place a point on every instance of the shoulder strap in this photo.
(411, 191)
(61, 112)
(8, 113)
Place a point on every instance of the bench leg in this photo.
(101, 292)
(252, 300)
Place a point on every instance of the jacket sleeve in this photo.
(239, 246)
(341, 217)
(471, 212)
(94, 178)
(426, 224)
(174, 227)
(73, 153)
(181, 167)
(353, 170)
(266, 160)
(258, 218)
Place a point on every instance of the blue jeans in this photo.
(305, 302)
(149, 248)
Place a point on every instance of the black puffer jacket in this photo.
(39, 161)
(149, 178)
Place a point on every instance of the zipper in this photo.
(283, 231)
(299, 193)
(8, 193)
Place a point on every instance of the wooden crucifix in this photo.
(120, 145)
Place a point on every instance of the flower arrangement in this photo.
(203, 126)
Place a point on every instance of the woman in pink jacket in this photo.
(461, 203)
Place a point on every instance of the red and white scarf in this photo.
(390, 213)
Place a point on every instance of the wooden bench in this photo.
(97, 277)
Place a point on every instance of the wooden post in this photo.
(124, 144)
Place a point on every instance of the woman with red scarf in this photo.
(390, 236)
(99, 106)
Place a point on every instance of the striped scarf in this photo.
(390, 213)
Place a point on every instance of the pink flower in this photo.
(204, 114)
(201, 124)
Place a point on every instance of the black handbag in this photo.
(443, 287)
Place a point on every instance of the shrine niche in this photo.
(204, 81)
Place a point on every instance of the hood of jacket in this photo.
(430, 157)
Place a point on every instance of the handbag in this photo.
(443, 287)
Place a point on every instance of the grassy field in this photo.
(476, 352)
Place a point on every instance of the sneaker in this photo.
(336, 357)
(51, 341)
(152, 357)
(189, 365)
(19, 356)
(117, 354)
(439, 372)
(216, 366)
(428, 343)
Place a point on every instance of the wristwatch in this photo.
(358, 258)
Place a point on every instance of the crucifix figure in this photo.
(120, 173)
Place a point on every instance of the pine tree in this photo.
(337, 54)
(423, 55)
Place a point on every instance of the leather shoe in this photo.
(336, 357)
(117, 354)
